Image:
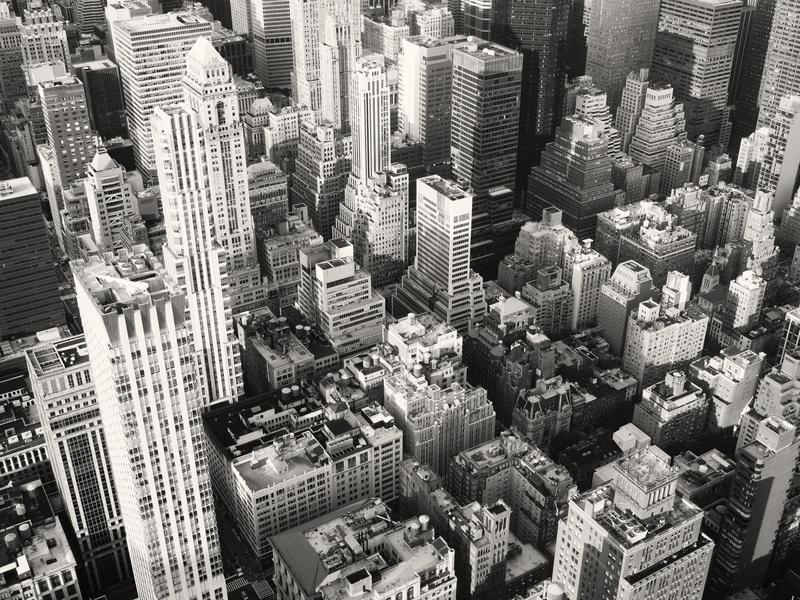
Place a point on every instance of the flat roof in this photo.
(17, 188)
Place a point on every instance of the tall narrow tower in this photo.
(369, 118)
(210, 248)
(146, 368)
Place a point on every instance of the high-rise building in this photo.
(12, 79)
(322, 169)
(630, 285)
(574, 175)
(269, 195)
(103, 88)
(147, 371)
(537, 29)
(752, 152)
(340, 46)
(660, 340)
(790, 340)
(440, 280)
(586, 270)
(585, 98)
(369, 118)
(620, 41)
(545, 243)
(318, 479)
(110, 197)
(305, 26)
(29, 299)
(661, 247)
(485, 121)
(336, 293)
(781, 75)
(434, 22)
(781, 163)
(661, 123)
(425, 92)
(374, 217)
(151, 53)
(694, 51)
(77, 445)
(609, 547)
(551, 300)
(754, 37)
(745, 300)
(683, 164)
(631, 104)
(480, 536)
(672, 412)
(43, 38)
(384, 34)
(731, 378)
(438, 423)
(273, 51)
(764, 471)
(210, 246)
(69, 131)
(88, 14)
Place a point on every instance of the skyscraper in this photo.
(631, 104)
(69, 132)
(586, 270)
(210, 245)
(337, 293)
(103, 88)
(151, 53)
(322, 168)
(12, 80)
(425, 93)
(340, 46)
(662, 339)
(764, 471)
(486, 104)
(781, 75)
(694, 51)
(585, 98)
(661, 123)
(374, 217)
(110, 198)
(369, 118)
(77, 445)
(620, 41)
(305, 22)
(753, 41)
(630, 285)
(441, 280)
(538, 30)
(147, 371)
(88, 14)
(781, 163)
(29, 299)
(574, 175)
(271, 28)
(43, 38)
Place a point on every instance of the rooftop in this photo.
(17, 188)
(287, 457)
(62, 355)
(648, 468)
